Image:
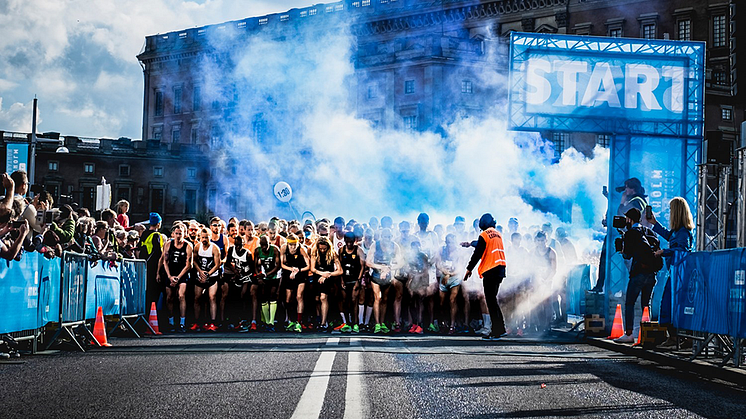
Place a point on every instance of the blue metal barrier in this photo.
(708, 290)
(29, 293)
(132, 304)
(578, 281)
(103, 288)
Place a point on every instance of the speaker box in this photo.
(717, 150)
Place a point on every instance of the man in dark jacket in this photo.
(641, 273)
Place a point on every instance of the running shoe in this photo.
(346, 329)
(195, 328)
(211, 327)
(418, 330)
(340, 327)
(181, 329)
(356, 329)
(396, 328)
(377, 329)
(384, 328)
(290, 327)
(413, 328)
(297, 328)
(452, 330)
(324, 328)
(432, 328)
(252, 328)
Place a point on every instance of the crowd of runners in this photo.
(350, 277)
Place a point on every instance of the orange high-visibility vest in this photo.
(494, 253)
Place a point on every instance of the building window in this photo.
(263, 20)
(409, 87)
(190, 201)
(176, 134)
(648, 31)
(191, 172)
(366, 3)
(215, 105)
(284, 18)
(197, 98)
(177, 99)
(241, 25)
(89, 168)
(355, 4)
(157, 133)
(615, 32)
(123, 193)
(158, 103)
(720, 78)
(157, 200)
(604, 140)
(718, 31)
(410, 122)
(54, 166)
(304, 13)
(727, 114)
(341, 6)
(194, 137)
(685, 30)
(157, 171)
(371, 92)
(258, 127)
(466, 86)
(311, 12)
(214, 136)
(212, 198)
(561, 140)
(124, 170)
(87, 198)
(329, 9)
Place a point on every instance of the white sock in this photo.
(344, 318)
(360, 313)
(368, 313)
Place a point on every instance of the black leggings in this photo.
(492, 280)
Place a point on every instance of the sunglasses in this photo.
(216, 225)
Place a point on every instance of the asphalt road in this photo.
(342, 376)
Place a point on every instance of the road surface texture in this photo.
(343, 376)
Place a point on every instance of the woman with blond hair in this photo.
(122, 218)
(680, 239)
(326, 268)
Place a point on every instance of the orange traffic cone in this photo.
(99, 331)
(153, 320)
(617, 329)
(645, 318)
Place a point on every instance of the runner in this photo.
(365, 297)
(351, 257)
(326, 268)
(207, 264)
(232, 233)
(177, 262)
(217, 236)
(384, 258)
(418, 284)
(267, 257)
(239, 264)
(450, 273)
(295, 267)
(430, 245)
(338, 238)
(251, 241)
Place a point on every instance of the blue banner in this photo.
(29, 292)
(16, 157)
(103, 289)
(708, 292)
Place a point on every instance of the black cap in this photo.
(633, 214)
(632, 183)
(486, 221)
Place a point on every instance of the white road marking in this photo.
(312, 399)
(354, 393)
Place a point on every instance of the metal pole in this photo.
(702, 210)
(32, 161)
(741, 201)
(723, 183)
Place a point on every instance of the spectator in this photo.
(12, 249)
(130, 250)
(60, 232)
(28, 211)
(6, 203)
(122, 218)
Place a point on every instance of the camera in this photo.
(619, 223)
(16, 224)
(46, 217)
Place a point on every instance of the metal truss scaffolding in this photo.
(712, 206)
(741, 202)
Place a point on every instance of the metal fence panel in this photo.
(102, 289)
(133, 281)
(73, 292)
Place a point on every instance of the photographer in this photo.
(636, 246)
(61, 232)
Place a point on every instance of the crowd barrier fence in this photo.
(36, 292)
(709, 296)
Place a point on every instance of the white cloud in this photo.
(79, 56)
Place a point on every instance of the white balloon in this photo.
(283, 191)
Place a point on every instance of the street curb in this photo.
(726, 373)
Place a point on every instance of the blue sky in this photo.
(78, 58)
